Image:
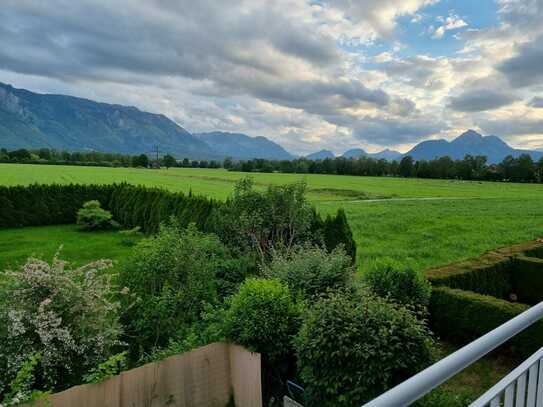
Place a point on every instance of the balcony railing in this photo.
(523, 387)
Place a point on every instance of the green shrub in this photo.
(64, 314)
(463, 316)
(262, 317)
(170, 278)
(112, 366)
(352, 348)
(338, 232)
(311, 270)
(387, 278)
(93, 217)
(274, 219)
(527, 279)
(21, 387)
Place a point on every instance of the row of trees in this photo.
(96, 158)
(520, 169)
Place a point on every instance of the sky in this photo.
(308, 74)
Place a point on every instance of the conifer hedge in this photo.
(131, 205)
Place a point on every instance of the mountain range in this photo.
(469, 142)
(244, 147)
(32, 120)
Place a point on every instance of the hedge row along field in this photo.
(38, 205)
(473, 297)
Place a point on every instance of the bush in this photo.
(463, 316)
(65, 315)
(262, 317)
(387, 278)
(171, 277)
(311, 270)
(351, 348)
(93, 217)
(275, 219)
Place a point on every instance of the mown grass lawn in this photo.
(77, 247)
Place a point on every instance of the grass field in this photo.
(423, 223)
(79, 248)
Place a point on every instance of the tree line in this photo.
(98, 159)
(519, 169)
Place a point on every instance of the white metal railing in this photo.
(515, 383)
(522, 387)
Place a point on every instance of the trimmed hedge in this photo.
(487, 275)
(463, 316)
(54, 204)
(37, 205)
(528, 279)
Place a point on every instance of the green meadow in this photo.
(423, 223)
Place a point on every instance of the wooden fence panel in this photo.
(205, 377)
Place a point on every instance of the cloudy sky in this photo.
(308, 74)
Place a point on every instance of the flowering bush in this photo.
(64, 314)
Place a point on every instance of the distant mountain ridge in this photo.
(469, 142)
(32, 120)
(241, 146)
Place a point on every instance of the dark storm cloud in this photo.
(514, 126)
(386, 132)
(478, 100)
(526, 67)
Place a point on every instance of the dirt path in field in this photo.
(432, 198)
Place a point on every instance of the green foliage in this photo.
(36, 205)
(93, 217)
(21, 387)
(352, 348)
(170, 279)
(64, 314)
(114, 365)
(131, 236)
(527, 279)
(275, 219)
(388, 278)
(445, 398)
(311, 270)
(209, 329)
(338, 232)
(463, 316)
(262, 317)
(488, 275)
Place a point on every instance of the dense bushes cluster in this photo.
(520, 169)
(351, 348)
(404, 285)
(262, 269)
